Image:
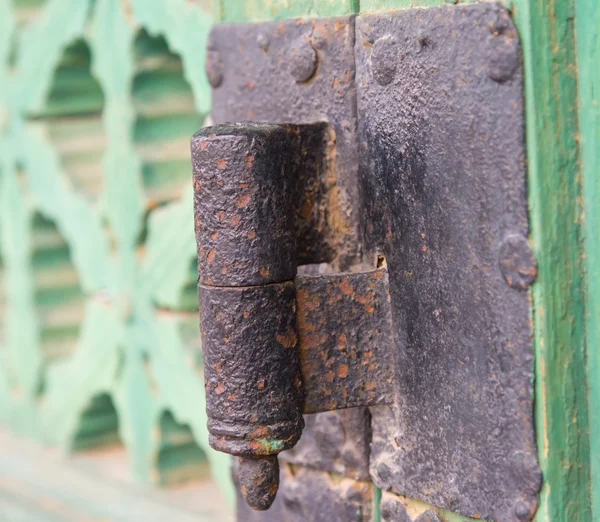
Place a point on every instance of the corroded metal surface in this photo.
(267, 72)
(299, 71)
(336, 441)
(443, 187)
(344, 326)
(244, 221)
(442, 206)
(243, 205)
(248, 181)
(251, 367)
(314, 496)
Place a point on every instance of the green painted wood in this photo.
(587, 29)
(39, 485)
(368, 5)
(102, 137)
(548, 40)
(253, 10)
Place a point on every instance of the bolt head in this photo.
(384, 60)
(517, 262)
(263, 41)
(522, 511)
(505, 56)
(384, 472)
(214, 68)
(302, 60)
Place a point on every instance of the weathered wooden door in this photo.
(100, 342)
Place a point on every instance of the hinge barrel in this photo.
(247, 299)
(276, 345)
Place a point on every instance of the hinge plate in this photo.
(429, 103)
(443, 184)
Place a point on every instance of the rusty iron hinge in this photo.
(364, 243)
(277, 344)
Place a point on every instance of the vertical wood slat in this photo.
(587, 30)
(548, 41)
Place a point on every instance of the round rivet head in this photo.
(517, 262)
(214, 68)
(384, 60)
(318, 39)
(522, 511)
(384, 472)
(263, 41)
(505, 56)
(302, 61)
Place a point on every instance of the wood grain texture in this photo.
(253, 10)
(587, 29)
(39, 484)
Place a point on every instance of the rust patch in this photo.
(288, 339)
(342, 371)
(346, 287)
(210, 257)
(243, 201)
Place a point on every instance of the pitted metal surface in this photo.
(443, 193)
(344, 328)
(267, 72)
(314, 496)
(439, 347)
(261, 327)
(335, 441)
(299, 71)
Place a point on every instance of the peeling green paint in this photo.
(587, 30)
(252, 10)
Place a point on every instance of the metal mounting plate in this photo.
(298, 71)
(261, 72)
(443, 193)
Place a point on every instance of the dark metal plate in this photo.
(336, 441)
(344, 328)
(307, 495)
(443, 189)
(262, 72)
(298, 72)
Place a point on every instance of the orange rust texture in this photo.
(287, 339)
(336, 364)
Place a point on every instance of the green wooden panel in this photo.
(252, 10)
(96, 238)
(548, 41)
(587, 29)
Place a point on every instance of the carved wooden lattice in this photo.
(99, 339)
